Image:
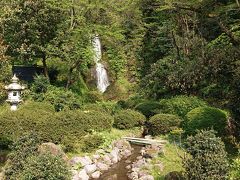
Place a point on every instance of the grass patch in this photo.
(108, 137)
(170, 159)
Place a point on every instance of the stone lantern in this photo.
(14, 93)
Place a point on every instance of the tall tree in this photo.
(30, 28)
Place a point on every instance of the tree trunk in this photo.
(45, 69)
(237, 1)
(176, 46)
(69, 78)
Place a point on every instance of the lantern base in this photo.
(13, 107)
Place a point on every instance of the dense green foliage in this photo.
(149, 108)
(64, 127)
(22, 148)
(126, 119)
(45, 166)
(180, 105)
(207, 159)
(26, 163)
(163, 123)
(235, 169)
(206, 118)
(91, 142)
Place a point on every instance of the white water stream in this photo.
(101, 72)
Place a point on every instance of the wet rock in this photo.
(126, 153)
(133, 175)
(102, 166)
(142, 173)
(139, 163)
(85, 160)
(83, 175)
(96, 156)
(53, 149)
(128, 167)
(147, 177)
(96, 175)
(122, 144)
(107, 159)
(114, 155)
(136, 169)
(75, 160)
(90, 168)
(139, 157)
(127, 161)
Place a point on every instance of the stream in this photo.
(119, 171)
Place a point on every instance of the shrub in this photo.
(208, 158)
(126, 119)
(45, 166)
(206, 118)
(91, 142)
(22, 148)
(64, 127)
(26, 163)
(40, 84)
(148, 108)
(130, 102)
(61, 99)
(93, 97)
(4, 143)
(235, 170)
(107, 107)
(163, 123)
(180, 105)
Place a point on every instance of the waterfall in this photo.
(101, 72)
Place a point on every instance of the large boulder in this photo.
(83, 175)
(52, 148)
(90, 168)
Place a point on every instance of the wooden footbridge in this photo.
(143, 141)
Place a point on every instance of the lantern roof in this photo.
(14, 85)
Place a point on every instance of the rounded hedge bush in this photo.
(180, 105)
(148, 108)
(126, 119)
(206, 118)
(45, 166)
(62, 128)
(163, 123)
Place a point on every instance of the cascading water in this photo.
(101, 72)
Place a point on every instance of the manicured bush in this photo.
(180, 105)
(107, 107)
(93, 97)
(131, 102)
(206, 118)
(25, 162)
(235, 170)
(91, 142)
(22, 148)
(207, 157)
(61, 98)
(4, 143)
(148, 108)
(163, 123)
(45, 166)
(64, 127)
(126, 119)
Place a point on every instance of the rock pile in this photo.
(84, 168)
(138, 170)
